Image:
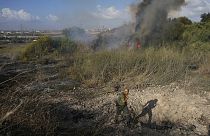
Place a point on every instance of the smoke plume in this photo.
(78, 34)
(152, 15)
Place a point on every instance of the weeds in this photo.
(151, 65)
(154, 65)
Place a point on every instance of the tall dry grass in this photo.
(151, 65)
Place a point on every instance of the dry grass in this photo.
(150, 66)
(156, 66)
(12, 50)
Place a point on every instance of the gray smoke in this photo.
(152, 15)
(78, 34)
(114, 38)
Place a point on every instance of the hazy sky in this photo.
(58, 14)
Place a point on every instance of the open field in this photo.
(105, 68)
(48, 97)
(13, 48)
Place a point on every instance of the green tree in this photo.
(67, 46)
(184, 20)
(198, 32)
(174, 29)
(205, 17)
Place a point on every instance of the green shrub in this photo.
(37, 49)
(198, 32)
(45, 46)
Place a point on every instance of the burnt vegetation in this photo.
(62, 86)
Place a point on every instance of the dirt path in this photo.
(176, 112)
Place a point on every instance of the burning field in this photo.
(68, 86)
(42, 101)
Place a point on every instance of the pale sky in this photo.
(59, 14)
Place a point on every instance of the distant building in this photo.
(8, 32)
(18, 32)
(98, 30)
